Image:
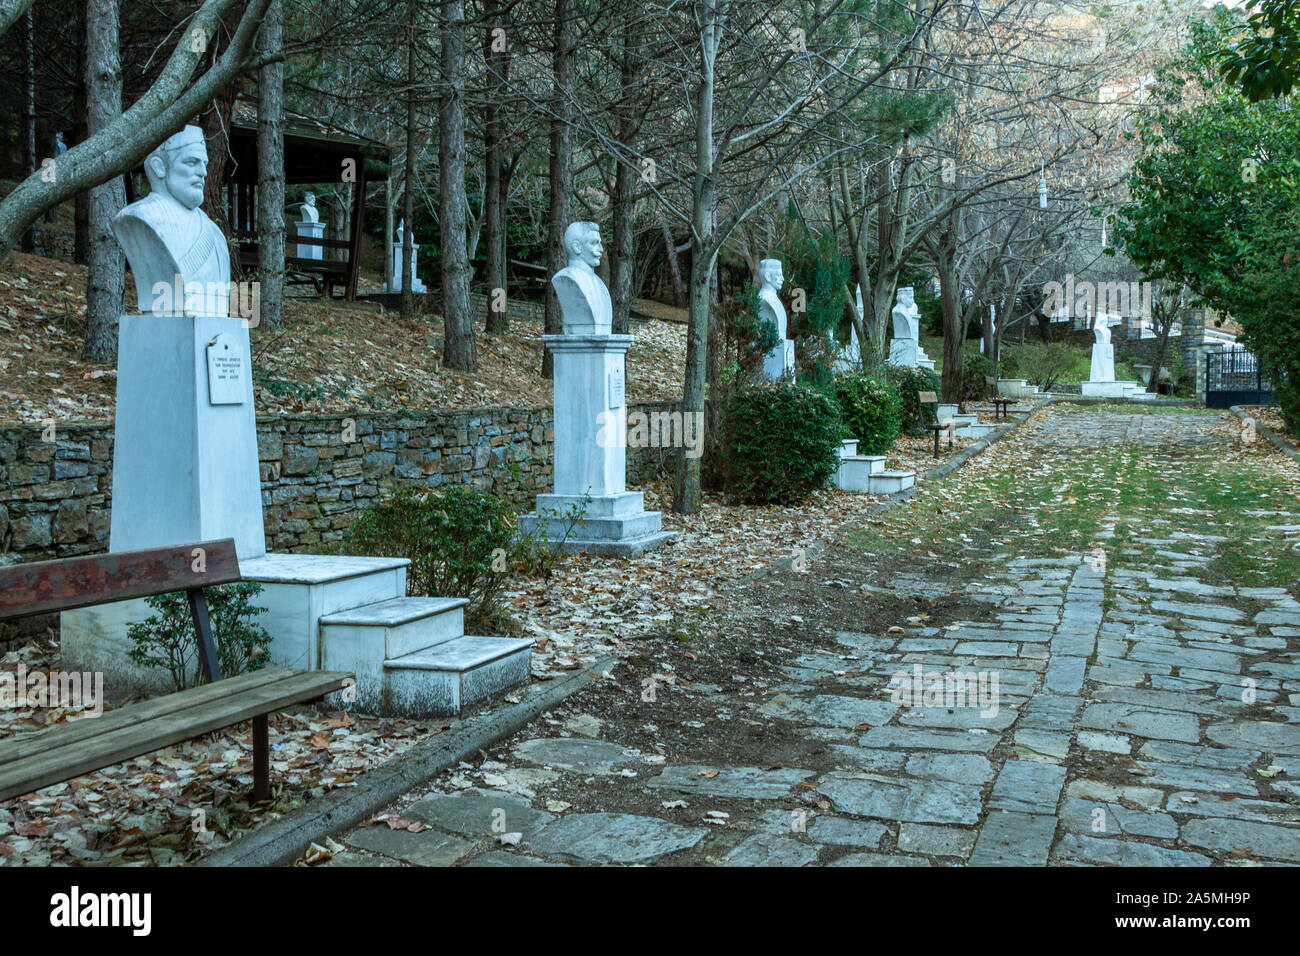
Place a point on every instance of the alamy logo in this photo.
(21, 689)
(1086, 299)
(76, 909)
(947, 689)
(653, 430)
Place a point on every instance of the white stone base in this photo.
(612, 525)
(1112, 389)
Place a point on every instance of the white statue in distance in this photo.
(1103, 353)
(779, 361)
(585, 304)
(178, 256)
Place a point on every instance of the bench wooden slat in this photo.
(135, 739)
(45, 586)
(84, 728)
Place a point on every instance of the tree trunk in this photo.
(80, 133)
(494, 186)
(270, 170)
(458, 327)
(954, 316)
(29, 112)
(561, 167)
(674, 270)
(408, 188)
(687, 494)
(106, 275)
(625, 186)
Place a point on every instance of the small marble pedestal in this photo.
(590, 455)
(311, 230)
(395, 260)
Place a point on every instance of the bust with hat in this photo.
(178, 255)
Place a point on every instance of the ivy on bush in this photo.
(167, 639)
(782, 441)
(871, 411)
(909, 383)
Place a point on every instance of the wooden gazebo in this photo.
(314, 152)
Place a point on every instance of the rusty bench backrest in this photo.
(43, 587)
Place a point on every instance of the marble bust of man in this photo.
(179, 256)
(309, 211)
(907, 317)
(584, 299)
(772, 276)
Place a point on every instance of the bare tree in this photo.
(270, 167)
(458, 326)
(106, 275)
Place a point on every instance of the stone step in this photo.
(856, 470)
(299, 589)
(975, 430)
(966, 418)
(848, 447)
(442, 680)
(392, 628)
(891, 482)
(925, 363)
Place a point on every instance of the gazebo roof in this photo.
(313, 148)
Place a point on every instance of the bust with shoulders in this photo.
(585, 305)
(169, 241)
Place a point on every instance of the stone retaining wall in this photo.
(317, 471)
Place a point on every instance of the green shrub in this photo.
(1039, 364)
(976, 367)
(167, 639)
(782, 441)
(871, 411)
(461, 542)
(909, 383)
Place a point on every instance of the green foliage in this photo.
(1213, 199)
(460, 541)
(782, 442)
(815, 265)
(908, 384)
(871, 410)
(975, 368)
(1266, 62)
(1039, 364)
(167, 639)
(748, 333)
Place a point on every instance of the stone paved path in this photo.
(1142, 715)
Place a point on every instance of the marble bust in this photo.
(584, 299)
(309, 212)
(907, 317)
(772, 276)
(179, 256)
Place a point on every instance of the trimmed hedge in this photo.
(782, 442)
(871, 410)
(908, 384)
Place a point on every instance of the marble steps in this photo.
(452, 675)
(412, 657)
(867, 473)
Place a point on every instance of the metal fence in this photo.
(1234, 377)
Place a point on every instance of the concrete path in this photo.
(1129, 700)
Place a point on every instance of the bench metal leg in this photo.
(203, 629)
(261, 760)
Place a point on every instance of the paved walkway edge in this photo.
(1284, 446)
(941, 470)
(282, 841)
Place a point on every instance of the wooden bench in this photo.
(930, 398)
(63, 752)
(1000, 402)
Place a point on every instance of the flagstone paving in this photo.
(1146, 710)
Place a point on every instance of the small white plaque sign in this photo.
(615, 378)
(226, 372)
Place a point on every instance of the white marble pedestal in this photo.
(311, 230)
(395, 263)
(779, 362)
(590, 458)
